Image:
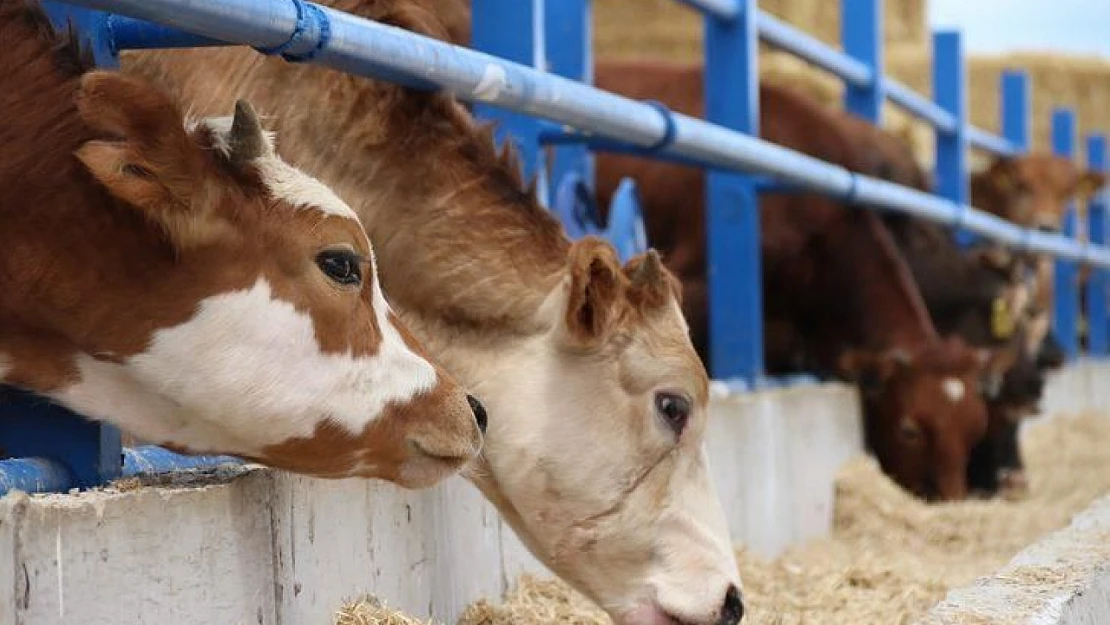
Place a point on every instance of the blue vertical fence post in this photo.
(569, 35)
(950, 93)
(85, 453)
(1098, 332)
(1015, 116)
(861, 32)
(513, 30)
(1066, 296)
(732, 208)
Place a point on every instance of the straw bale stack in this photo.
(663, 29)
(628, 27)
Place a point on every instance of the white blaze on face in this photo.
(248, 368)
(285, 182)
(954, 389)
(297, 188)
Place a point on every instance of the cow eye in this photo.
(674, 409)
(341, 266)
(910, 432)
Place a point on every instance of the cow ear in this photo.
(872, 369)
(149, 162)
(596, 293)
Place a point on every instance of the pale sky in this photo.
(993, 26)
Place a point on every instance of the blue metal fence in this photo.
(505, 77)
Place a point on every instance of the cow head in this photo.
(232, 306)
(638, 528)
(925, 410)
(1033, 190)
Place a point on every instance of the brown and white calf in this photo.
(595, 455)
(180, 280)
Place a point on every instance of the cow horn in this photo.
(650, 271)
(246, 140)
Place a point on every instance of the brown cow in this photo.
(1033, 191)
(594, 453)
(833, 281)
(178, 279)
(982, 294)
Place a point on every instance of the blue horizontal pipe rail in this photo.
(126, 33)
(153, 460)
(365, 48)
(779, 34)
(921, 107)
(34, 475)
(783, 36)
(979, 138)
(41, 475)
(721, 9)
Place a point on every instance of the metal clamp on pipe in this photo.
(311, 34)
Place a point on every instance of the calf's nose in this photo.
(479, 412)
(733, 609)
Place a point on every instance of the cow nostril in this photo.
(479, 412)
(733, 609)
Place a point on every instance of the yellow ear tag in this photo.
(1002, 322)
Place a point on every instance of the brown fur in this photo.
(116, 222)
(463, 175)
(833, 278)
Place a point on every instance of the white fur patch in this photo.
(247, 371)
(5, 367)
(285, 182)
(954, 389)
(291, 185)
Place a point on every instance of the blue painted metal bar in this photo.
(779, 34)
(126, 33)
(33, 475)
(861, 31)
(374, 50)
(569, 34)
(625, 229)
(1065, 312)
(513, 30)
(1098, 285)
(1017, 120)
(950, 93)
(721, 9)
(856, 72)
(91, 26)
(979, 138)
(35, 427)
(732, 206)
(152, 460)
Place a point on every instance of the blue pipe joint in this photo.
(311, 35)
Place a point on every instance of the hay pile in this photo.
(669, 30)
(663, 29)
(890, 558)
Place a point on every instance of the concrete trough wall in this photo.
(266, 548)
(1063, 579)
